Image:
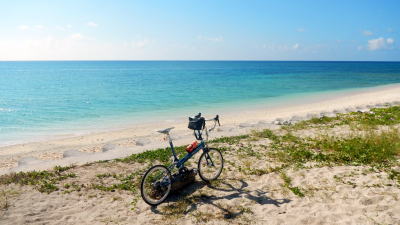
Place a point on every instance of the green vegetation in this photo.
(44, 181)
(288, 184)
(128, 182)
(375, 117)
(375, 149)
(162, 155)
(394, 175)
(47, 187)
(267, 133)
(253, 171)
(230, 140)
(104, 175)
(60, 169)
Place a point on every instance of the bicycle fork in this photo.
(209, 160)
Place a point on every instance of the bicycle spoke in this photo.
(156, 185)
(210, 165)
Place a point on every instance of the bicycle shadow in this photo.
(234, 189)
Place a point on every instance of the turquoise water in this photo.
(49, 97)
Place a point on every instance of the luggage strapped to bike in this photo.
(197, 124)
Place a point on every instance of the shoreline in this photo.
(122, 142)
(79, 128)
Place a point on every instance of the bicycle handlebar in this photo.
(216, 119)
(199, 118)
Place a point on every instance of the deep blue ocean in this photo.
(51, 96)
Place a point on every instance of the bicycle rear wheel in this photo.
(210, 164)
(156, 185)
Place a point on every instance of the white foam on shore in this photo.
(123, 142)
(113, 123)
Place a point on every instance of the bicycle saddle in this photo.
(165, 131)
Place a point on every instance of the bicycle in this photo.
(157, 181)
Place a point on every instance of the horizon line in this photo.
(190, 60)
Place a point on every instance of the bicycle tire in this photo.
(203, 157)
(144, 193)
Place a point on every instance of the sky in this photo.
(200, 30)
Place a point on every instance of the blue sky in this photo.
(203, 30)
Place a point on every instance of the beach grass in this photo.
(162, 155)
(44, 181)
(288, 184)
(230, 140)
(373, 118)
(376, 148)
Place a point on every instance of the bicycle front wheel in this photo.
(210, 164)
(156, 185)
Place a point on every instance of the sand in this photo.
(119, 143)
(367, 200)
(332, 194)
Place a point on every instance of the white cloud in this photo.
(63, 28)
(375, 44)
(80, 47)
(80, 37)
(390, 41)
(39, 27)
(210, 39)
(77, 36)
(60, 28)
(33, 27)
(139, 43)
(380, 43)
(367, 33)
(282, 47)
(92, 24)
(300, 30)
(23, 27)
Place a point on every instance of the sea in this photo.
(49, 98)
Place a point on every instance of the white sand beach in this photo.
(254, 188)
(120, 143)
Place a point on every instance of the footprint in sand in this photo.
(29, 161)
(244, 125)
(74, 153)
(371, 200)
(108, 147)
(142, 142)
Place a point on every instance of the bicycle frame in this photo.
(180, 162)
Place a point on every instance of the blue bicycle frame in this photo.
(180, 162)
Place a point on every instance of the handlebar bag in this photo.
(196, 123)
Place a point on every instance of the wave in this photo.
(6, 110)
